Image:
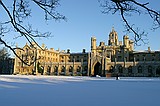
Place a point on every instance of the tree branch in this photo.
(127, 8)
(21, 10)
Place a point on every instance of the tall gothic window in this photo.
(158, 70)
(140, 69)
(120, 68)
(130, 69)
(150, 69)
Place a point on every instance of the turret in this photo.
(93, 44)
(131, 44)
(126, 41)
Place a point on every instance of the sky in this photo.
(84, 20)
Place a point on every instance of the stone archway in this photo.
(97, 69)
(48, 70)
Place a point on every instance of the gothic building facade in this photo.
(110, 59)
(50, 62)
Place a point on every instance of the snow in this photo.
(19, 90)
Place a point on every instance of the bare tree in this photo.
(127, 8)
(4, 54)
(19, 11)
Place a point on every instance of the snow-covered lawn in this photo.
(78, 91)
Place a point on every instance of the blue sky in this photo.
(84, 20)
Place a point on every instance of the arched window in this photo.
(84, 72)
(48, 70)
(56, 70)
(78, 69)
(62, 70)
(42, 70)
(158, 70)
(120, 69)
(70, 69)
(140, 69)
(130, 69)
(111, 69)
(150, 69)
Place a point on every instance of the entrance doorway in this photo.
(97, 69)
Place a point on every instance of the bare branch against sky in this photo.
(18, 12)
(128, 8)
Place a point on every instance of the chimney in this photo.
(84, 51)
(68, 50)
(149, 49)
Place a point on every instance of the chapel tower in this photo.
(113, 38)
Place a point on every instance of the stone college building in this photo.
(115, 57)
